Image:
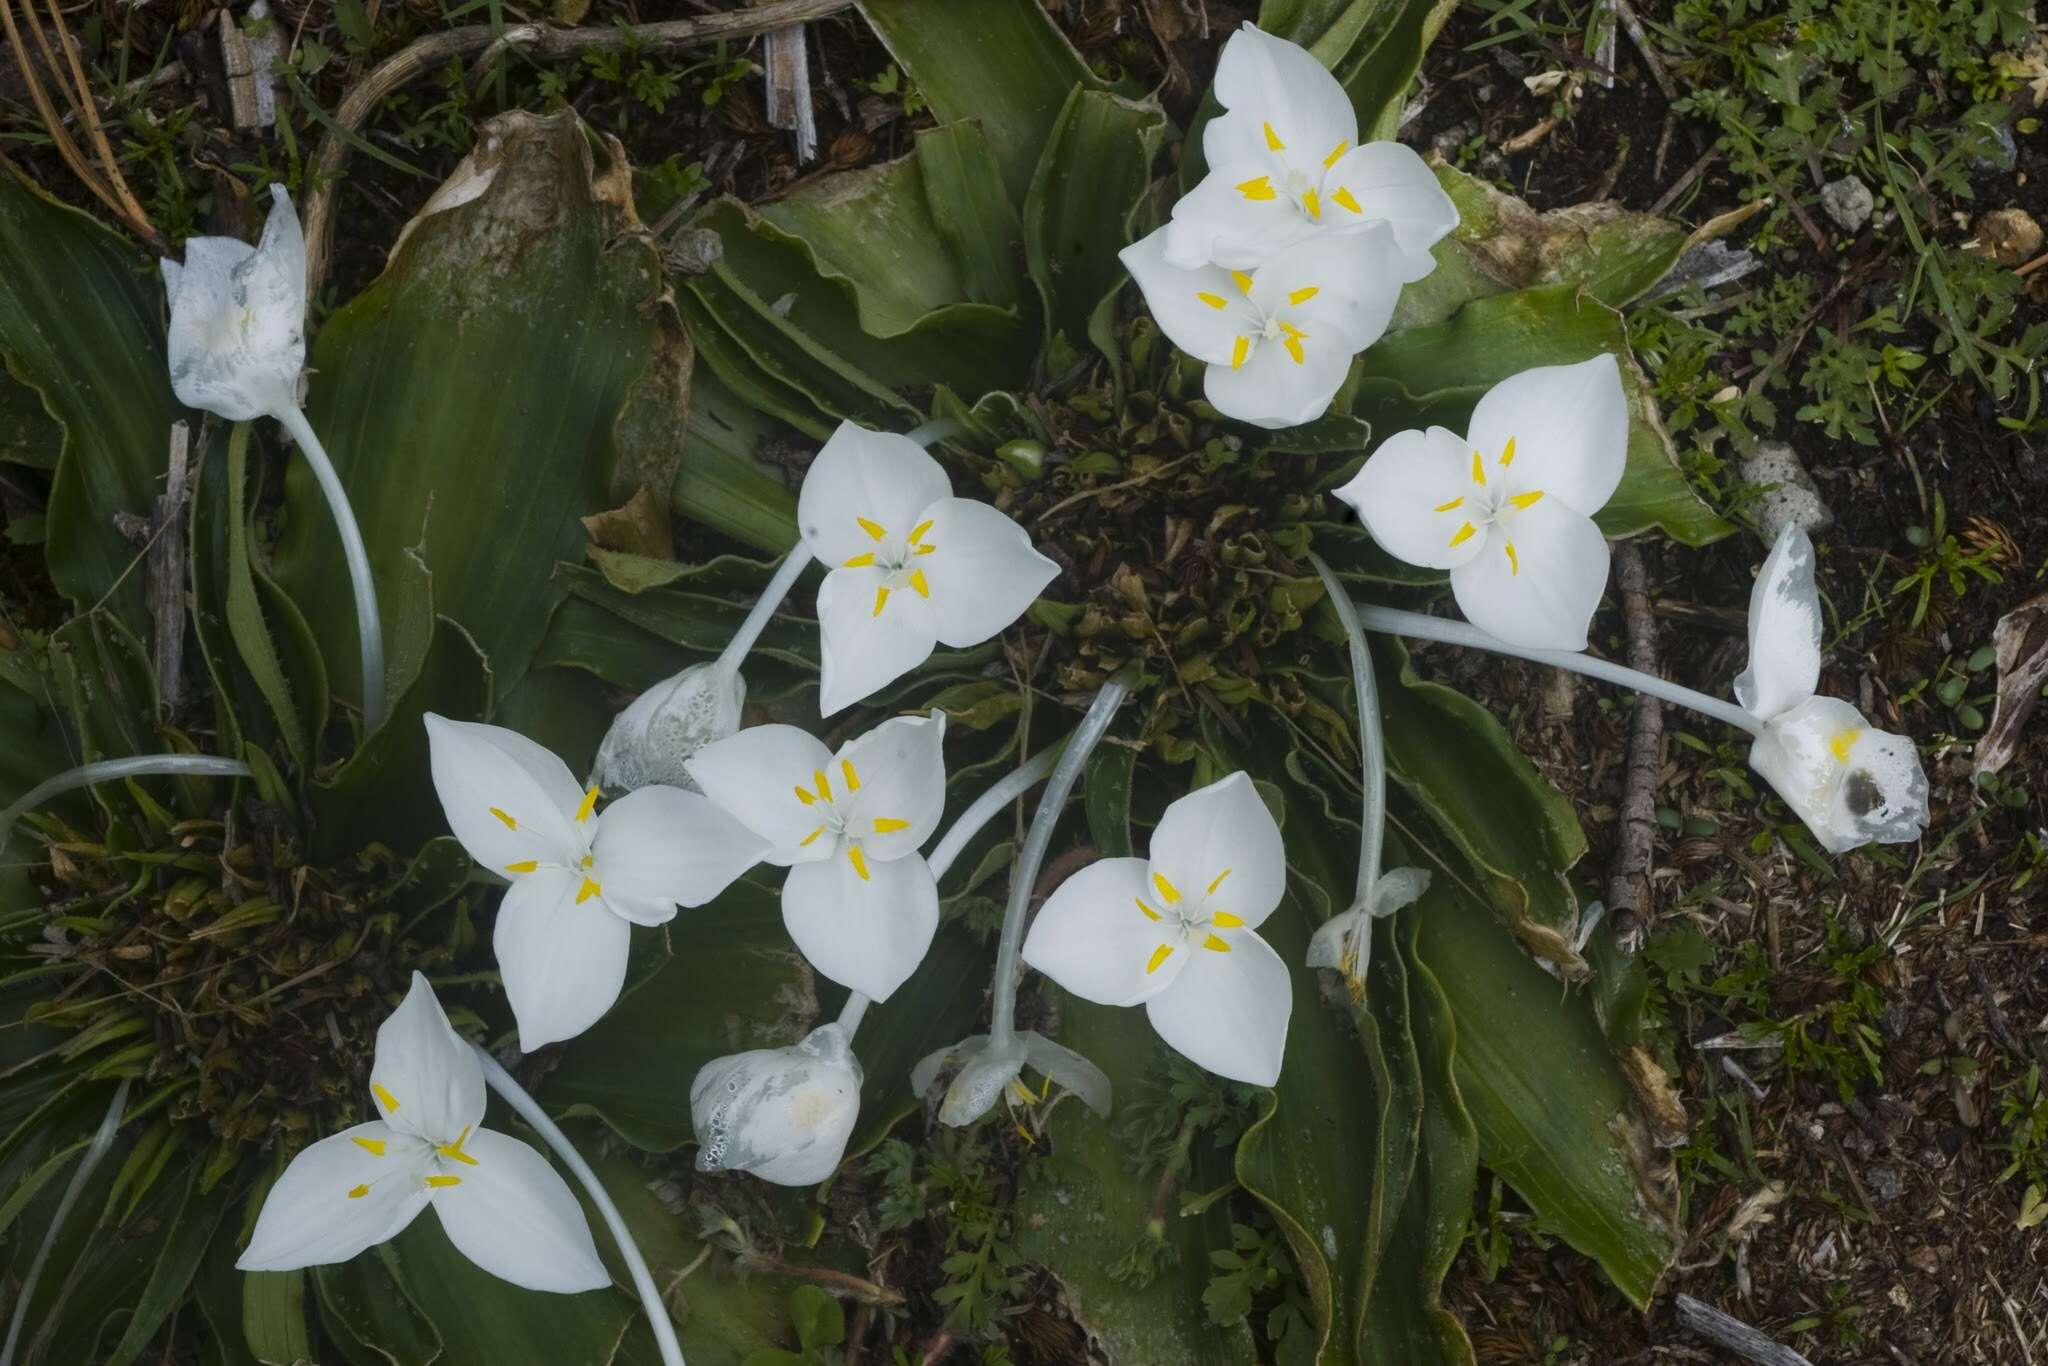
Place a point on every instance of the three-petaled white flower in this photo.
(1285, 165)
(1175, 933)
(1849, 782)
(910, 566)
(581, 878)
(238, 319)
(782, 1114)
(860, 900)
(1508, 508)
(1278, 340)
(500, 1202)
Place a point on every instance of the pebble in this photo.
(1848, 201)
(1796, 501)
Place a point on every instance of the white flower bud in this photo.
(238, 319)
(782, 1114)
(650, 740)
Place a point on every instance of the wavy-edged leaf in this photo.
(963, 188)
(720, 483)
(1084, 196)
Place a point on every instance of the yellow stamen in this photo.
(1242, 281)
(1313, 204)
(870, 528)
(1239, 351)
(373, 1146)
(1304, 294)
(846, 770)
(881, 600)
(917, 532)
(1465, 534)
(358, 1192)
(1216, 944)
(440, 1182)
(454, 1149)
(803, 795)
(510, 824)
(918, 582)
(390, 1101)
(589, 805)
(1218, 882)
(1273, 143)
(1227, 920)
(1507, 453)
(1526, 500)
(926, 549)
(1150, 914)
(1841, 742)
(1213, 300)
(860, 561)
(1347, 199)
(824, 783)
(1025, 1134)
(1293, 345)
(1514, 561)
(1159, 955)
(1447, 507)
(525, 865)
(588, 890)
(1166, 889)
(1339, 150)
(808, 838)
(588, 861)
(858, 860)
(889, 825)
(1258, 187)
(1023, 1092)
(1478, 470)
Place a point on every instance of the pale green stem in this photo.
(94, 1153)
(736, 649)
(938, 429)
(1393, 621)
(103, 770)
(1002, 1025)
(537, 1119)
(369, 625)
(1372, 744)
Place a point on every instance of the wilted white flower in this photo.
(1344, 942)
(782, 1114)
(649, 741)
(237, 337)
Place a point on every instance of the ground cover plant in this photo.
(1225, 451)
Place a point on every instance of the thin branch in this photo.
(1628, 883)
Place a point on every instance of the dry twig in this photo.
(1628, 882)
(1732, 1334)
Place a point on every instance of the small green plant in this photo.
(890, 83)
(956, 1186)
(820, 1326)
(1944, 560)
(1254, 1270)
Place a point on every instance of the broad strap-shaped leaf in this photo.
(1084, 196)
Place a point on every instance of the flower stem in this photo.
(938, 429)
(369, 625)
(1002, 1027)
(141, 766)
(735, 652)
(95, 1151)
(1393, 621)
(529, 1110)
(1372, 744)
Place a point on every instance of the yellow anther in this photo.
(588, 805)
(358, 1192)
(917, 532)
(1242, 281)
(1478, 470)
(860, 561)
(1347, 199)
(441, 1182)
(808, 838)
(1023, 1092)
(1464, 534)
(1304, 294)
(803, 795)
(1339, 150)
(926, 549)
(1525, 500)
(919, 582)
(1450, 506)
(1217, 881)
(1258, 187)
(1239, 351)
(390, 1101)
(889, 825)
(454, 1150)
(587, 861)
(858, 860)
(846, 771)
(871, 528)
(373, 1146)
(1514, 560)
(525, 865)
(1150, 914)
(510, 823)
(1507, 453)
(1025, 1134)
(1166, 889)
(1216, 944)
(1311, 202)
(1841, 742)
(589, 889)
(1159, 955)
(881, 600)
(1227, 920)
(1273, 143)
(1293, 345)
(824, 783)
(1213, 300)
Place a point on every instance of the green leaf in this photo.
(720, 482)
(363, 1305)
(817, 1318)
(941, 1004)
(1083, 197)
(274, 1316)
(963, 187)
(80, 323)
(185, 1236)
(246, 626)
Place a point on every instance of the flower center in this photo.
(845, 827)
(1491, 504)
(1184, 921)
(897, 559)
(576, 859)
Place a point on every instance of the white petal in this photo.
(1849, 782)
(311, 1219)
(1543, 594)
(424, 1078)
(1100, 933)
(1569, 424)
(562, 964)
(1184, 302)
(868, 933)
(514, 1216)
(275, 283)
(1391, 184)
(661, 847)
(1219, 224)
(1228, 1012)
(1272, 389)
(1220, 847)
(1265, 80)
(880, 476)
(1415, 496)
(1337, 288)
(982, 571)
(868, 641)
(755, 775)
(507, 799)
(1784, 630)
(900, 769)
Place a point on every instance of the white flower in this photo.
(910, 566)
(1344, 942)
(1175, 933)
(1850, 783)
(860, 900)
(1284, 166)
(238, 319)
(783, 1114)
(500, 1202)
(1508, 509)
(1278, 340)
(581, 878)
(665, 725)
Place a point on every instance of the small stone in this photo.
(1795, 501)
(1884, 1182)
(1848, 201)
(2009, 237)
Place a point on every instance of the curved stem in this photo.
(94, 1153)
(1393, 621)
(735, 651)
(1002, 1027)
(1372, 744)
(369, 625)
(984, 808)
(537, 1119)
(938, 429)
(141, 766)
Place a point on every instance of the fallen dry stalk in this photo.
(538, 39)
